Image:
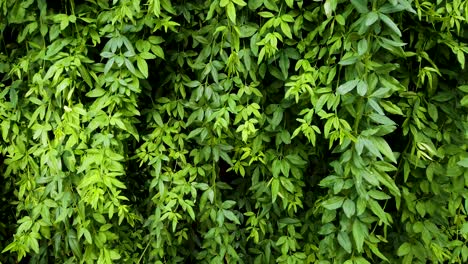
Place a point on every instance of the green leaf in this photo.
(34, 244)
(327, 8)
(248, 30)
(333, 203)
(276, 168)
(142, 66)
(362, 88)
(290, 3)
(344, 241)
(228, 204)
(461, 58)
(371, 18)
(378, 195)
(11, 247)
(285, 137)
(107, 54)
(99, 218)
(255, 4)
(284, 65)
(362, 47)
(376, 251)
(74, 245)
(275, 184)
(360, 232)
(231, 12)
(191, 212)
(433, 113)
(87, 235)
(239, 2)
(271, 5)
(381, 119)
(349, 208)
(464, 101)
(463, 163)
(5, 126)
(377, 210)
(158, 51)
(289, 221)
(404, 249)
(195, 132)
(391, 108)
(224, 3)
(231, 216)
(349, 60)
(130, 66)
(361, 260)
(463, 88)
(57, 46)
(286, 29)
(13, 96)
(360, 5)
(384, 148)
(373, 104)
(390, 24)
(98, 92)
(389, 183)
(347, 87)
(69, 160)
(85, 75)
(109, 65)
(114, 255)
(296, 160)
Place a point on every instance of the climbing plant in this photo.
(233, 131)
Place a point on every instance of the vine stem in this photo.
(144, 251)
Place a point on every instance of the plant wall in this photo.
(233, 131)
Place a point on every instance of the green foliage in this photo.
(234, 131)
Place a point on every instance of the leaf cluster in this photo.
(233, 131)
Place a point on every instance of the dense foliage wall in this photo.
(233, 131)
